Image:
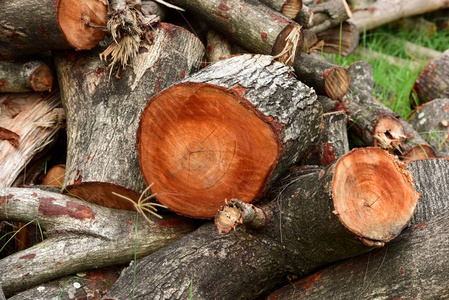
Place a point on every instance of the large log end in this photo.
(79, 22)
(373, 194)
(200, 144)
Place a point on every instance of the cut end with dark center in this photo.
(201, 144)
(373, 196)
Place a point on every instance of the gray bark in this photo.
(25, 76)
(79, 236)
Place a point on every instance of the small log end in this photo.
(337, 82)
(41, 79)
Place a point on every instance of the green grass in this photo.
(394, 83)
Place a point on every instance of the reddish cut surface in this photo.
(201, 144)
(72, 18)
(373, 196)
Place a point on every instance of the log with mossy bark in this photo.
(326, 78)
(29, 27)
(312, 220)
(28, 123)
(393, 272)
(25, 77)
(433, 81)
(106, 236)
(228, 131)
(251, 25)
(431, 121)
(103, 112)
(377, 125)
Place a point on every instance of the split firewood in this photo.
(31, 122)
(333, 141)
(377, 125)
(251, 25)
(304, 16)
(383, 12)
(431, 121)
(107, 236)
(418, 255)
(313, 220)
(329, 14)
(433, 82)
(342, 39)
(326, 78)
(228, 131)
(28, 27)
(91, 285)
(25, 77)
(289, 8)
(218, 47)
(103, 113)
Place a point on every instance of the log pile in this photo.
(212, 157)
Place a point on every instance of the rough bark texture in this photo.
(326, 78)
(377, 125)
(342, 40)
(251, 25)
(28, 27)
(25, 77)
(383, 12)
(329, 14)
(31, 122)
(431, 179)
(333, 141)
(289, 8)
(431, 121)
(218, 47)
(433, 82)
(103, 112)
(244, 263)
(79, 236)
(413, 266)
(225, 132)
(91, 285)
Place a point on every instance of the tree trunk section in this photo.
(341, 40)
(304, 16)
(25, 77)
(431, 121)
(289, 244)
(329, 14)
(383, 12)
(377, 125)
(433, 81)
(289, 8)
(103, 113)
(251, 25)
(106, 236)
(413, 266)
(224, 133)
(326, 78)
(31, 122)
(29, 27)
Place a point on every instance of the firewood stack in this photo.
(112, 109)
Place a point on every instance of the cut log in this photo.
(329, 14)
(32, 122)
(326, 78)
(54, 176)
(314, 220)
(91, 285)
(103, 113)
(304, 16)
(25, 77)
(433, 82)
(34, 26)
(218, 47)
(342, 40)
(383, 12)
(107, 236)
(225, 132)
(251, 25)
(377, 125)
(289, 8)
(413, 266)
(333, 140)
(431, 121)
